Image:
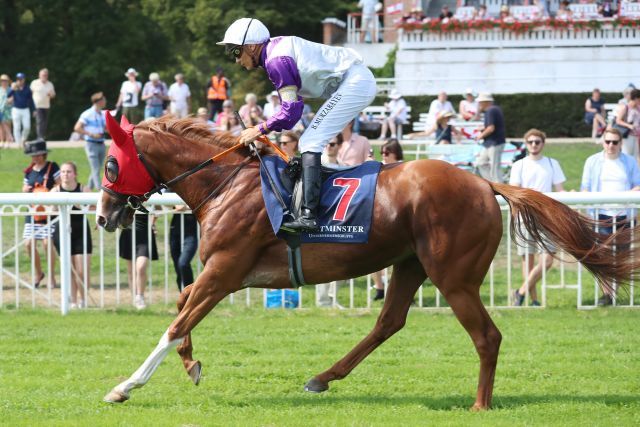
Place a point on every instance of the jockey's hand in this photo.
(249, 135)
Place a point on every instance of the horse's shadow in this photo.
(439, 403)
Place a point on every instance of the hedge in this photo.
(557, 114)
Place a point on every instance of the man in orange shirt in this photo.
(217, 92)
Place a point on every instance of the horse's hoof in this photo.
(314, 385)
(195, 372)
(115, 396)
(478, 408)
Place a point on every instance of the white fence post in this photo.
(65, 258)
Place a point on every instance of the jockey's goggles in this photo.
(234, 50)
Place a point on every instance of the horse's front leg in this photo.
(205, 294)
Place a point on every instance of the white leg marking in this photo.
(144, 372)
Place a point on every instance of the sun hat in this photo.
(484, 97)
(444, 114)
(5, 77)
(394, 94)
(246, 31)
(36, 148)
(154, 76)
(202, 111)
(470, 91)
(131, 71)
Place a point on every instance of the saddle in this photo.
(290, 178)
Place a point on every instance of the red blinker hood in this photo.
(133, 178)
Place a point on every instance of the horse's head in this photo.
(124, 176)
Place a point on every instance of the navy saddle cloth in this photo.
(346, 202)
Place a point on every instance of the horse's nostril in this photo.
(101, 220)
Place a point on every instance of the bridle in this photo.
(136, 203)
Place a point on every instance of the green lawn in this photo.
(557, 367)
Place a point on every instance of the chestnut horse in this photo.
(430, 219)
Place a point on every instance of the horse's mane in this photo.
(189, 128)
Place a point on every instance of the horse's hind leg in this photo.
(407, 277)
(459, 280)
(185, 349)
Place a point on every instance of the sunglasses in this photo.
(333, 144)
(234, 50)
(535, 142)
(385, 153)
(609, 141)
(285, 142)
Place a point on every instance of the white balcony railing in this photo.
(605, 36)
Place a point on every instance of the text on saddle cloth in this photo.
(346, 202)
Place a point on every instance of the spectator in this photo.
(129, 94)
(272, 106)
(355, 148)
(545, 175)
(369, 20)
(223, 117)
(330, 155)
(624, 122)
(255, 116)
(289, 143)
(203, 115)
(40, 176)
(250, 104)
(437, 105)
(634, 116)
(397, 109)
(5, 110)
(611, 171)
(468, 108)
(233, 125)
(218, 91)
(626, 94)
(445, 13)
(307, 116)
(505, 14)
(183, 243)
(180, 97)
(391, 152)
(563, 12)
(606, 9)
(21, 98)
(445, 131)
(144, 251)
(482, 14)
(154, 94)
(91, 126)
(493, 136)
(80, 236)
(43, 92)
(594, 113)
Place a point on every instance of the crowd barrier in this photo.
(106, 284)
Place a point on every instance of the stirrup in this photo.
(301, 224)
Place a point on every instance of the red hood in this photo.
(133, 178)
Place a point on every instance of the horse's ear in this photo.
(118, 134)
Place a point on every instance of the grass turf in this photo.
(557, 367)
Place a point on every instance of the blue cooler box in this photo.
(275, 298)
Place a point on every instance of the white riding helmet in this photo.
(246, 31)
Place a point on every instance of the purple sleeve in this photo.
(283, 71)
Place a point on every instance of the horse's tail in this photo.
(612, 259)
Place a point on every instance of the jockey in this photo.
(299, 68)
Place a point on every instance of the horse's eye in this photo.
(111, 169)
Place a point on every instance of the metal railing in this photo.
(105, 282)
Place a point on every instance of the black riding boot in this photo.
(311, 177)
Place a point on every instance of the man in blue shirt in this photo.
(22, 99)
(91, 126)
(492, 137)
